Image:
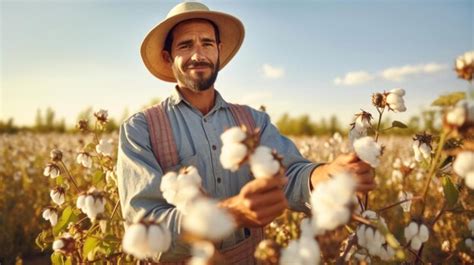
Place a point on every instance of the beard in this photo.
(199, 83)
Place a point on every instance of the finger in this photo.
(272, 211)
(360, 167)
(365, 187)
(366, 178)
(265, 200)
(348, 158)
(264, 184)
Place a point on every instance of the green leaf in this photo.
(68, 215)
(399, 124)
(60, 180)
(89, 245)
(449, 99)
(40, 240)
(68, 261)
(451, 193)
(98, 177)
(57, 258)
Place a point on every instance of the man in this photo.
(190, 47)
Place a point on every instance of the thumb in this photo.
(348, 158)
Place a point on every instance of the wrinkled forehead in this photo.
(196, 25)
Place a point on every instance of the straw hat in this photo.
(231, 32)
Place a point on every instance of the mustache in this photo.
(198, 64)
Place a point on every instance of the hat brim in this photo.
(231, 32)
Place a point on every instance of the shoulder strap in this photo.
(242, 116)
(161, 136)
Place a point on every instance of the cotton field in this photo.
(59, 197)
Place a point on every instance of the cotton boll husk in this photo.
(368, 150)
(232, 155)
(207, 220)
(262, 163)
(233, 135)
(464, 163)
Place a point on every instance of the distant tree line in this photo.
(302, 125)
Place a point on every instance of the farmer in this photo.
(189, 48)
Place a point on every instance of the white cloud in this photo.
(399, 73)
(272, 72)
(354, 78)
(396, 74)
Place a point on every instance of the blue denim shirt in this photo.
(139, 174)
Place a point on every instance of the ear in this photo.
(166, 56)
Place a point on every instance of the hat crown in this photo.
(187, 7)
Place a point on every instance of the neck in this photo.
(202, 100)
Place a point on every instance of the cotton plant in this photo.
(79, 217)
(302, 251)
(92, 203)
(50, 214)
(422, 147)
(372, 239)
(58, 195)
(464, 65)
(416, 234)
(145, 238)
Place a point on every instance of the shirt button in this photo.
(205, 120)
(219, 180)
(214, 147)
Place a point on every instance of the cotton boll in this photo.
(368, 150)
(233, 135)
(169, 182)
(470, 180)
(155, 236)
(398, 91)
(80, 202)
(415, 243)
(423, 234)
(135, 240)
(456, 116)
(105, 147)
(262, 163)
(471, 225)
(58, 244)
(232, 155)
(464, 163)
(205, 219)
(410, 231)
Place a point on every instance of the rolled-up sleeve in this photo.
(139, 177)
(298, 169)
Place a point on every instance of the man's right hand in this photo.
(258, 203)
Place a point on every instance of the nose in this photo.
(198, 55)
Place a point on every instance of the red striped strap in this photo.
(242, 116)
(161, 136)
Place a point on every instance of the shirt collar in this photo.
(176, 98)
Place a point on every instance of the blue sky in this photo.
(314, 57)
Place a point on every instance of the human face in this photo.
(195, 55)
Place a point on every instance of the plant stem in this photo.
(398, 203)
(434, 164)
(70, 176)
(377, 132)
